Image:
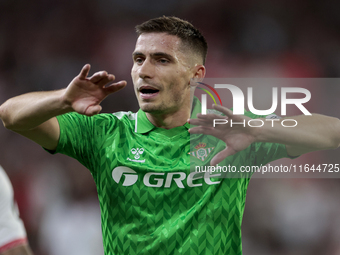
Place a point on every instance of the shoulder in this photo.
(109, 116)
(125, 115)
(98, 119)
(100, 124)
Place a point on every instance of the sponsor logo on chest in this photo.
(127, 177)
(137, 153)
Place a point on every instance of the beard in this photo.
(169, 102)
(157, 108)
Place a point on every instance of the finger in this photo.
(84, 71)
(203, 130)
(98, 76)
(211, 116)
(198, 122)
(210, 120)
(224, 110)
(219, 157)
(115, 87)
(106, 80)
(208, 117)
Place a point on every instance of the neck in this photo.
(170, 120)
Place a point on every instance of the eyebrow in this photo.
(155, 54)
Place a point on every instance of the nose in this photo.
(146, 69)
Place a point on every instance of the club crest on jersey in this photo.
(201, 152)
(137, 152)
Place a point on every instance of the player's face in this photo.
(161, 74)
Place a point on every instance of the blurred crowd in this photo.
(44, 44)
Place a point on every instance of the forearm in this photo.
(316, 132)
(19, 250)
(27, 111)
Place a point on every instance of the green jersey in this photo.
(150, 200)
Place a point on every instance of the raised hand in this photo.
(237, 137)
(85, 94)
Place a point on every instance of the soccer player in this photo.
(151, 203)
(13, 240)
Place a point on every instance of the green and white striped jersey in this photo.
(151, 202)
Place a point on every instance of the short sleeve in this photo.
(76, 137)
(262, 153)
(268, 152)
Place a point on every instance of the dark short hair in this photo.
(189, 35)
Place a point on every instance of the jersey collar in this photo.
(143, 125)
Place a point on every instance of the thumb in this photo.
(219, 157)
(84, 71)
(93, 110)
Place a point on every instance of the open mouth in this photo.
(148, 92)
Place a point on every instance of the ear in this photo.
(199, 72)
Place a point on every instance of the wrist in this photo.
(65, 102)
(259, 132)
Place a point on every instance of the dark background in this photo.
(44, 44)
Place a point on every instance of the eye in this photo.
(163, 60)
(139, 60)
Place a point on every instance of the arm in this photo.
(33, 115)
(316, 132)
(23, 249)
(312, 133)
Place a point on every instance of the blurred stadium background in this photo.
(44, 44)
